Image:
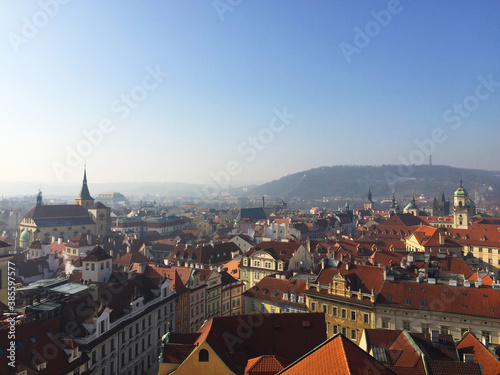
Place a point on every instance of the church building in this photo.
(47, 222)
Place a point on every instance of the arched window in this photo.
(460, 204)
(203, 355)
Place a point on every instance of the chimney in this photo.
(112, 253)
(59, 240)
(435, 337)
(441, 239)
(53, 239)
(89, 239)
(129, 249)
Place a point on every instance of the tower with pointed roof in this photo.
(394, 207)
(85, 199)
(440, 206)
(368, 202)
(461, 208)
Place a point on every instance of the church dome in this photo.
(25, 236)
(461, 192)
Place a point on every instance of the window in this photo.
(252, 305)
(385, 323)
(203, 355)
(425, 329)
(445, 330)
(366, 318)
(353, 315)
(344, 314)
(486, 337)
(92, 267)
(353, 334)
(273, 309)
(325, 309)
(334, 311)
(406, 325)
(301, 299)
(86, 266)
(103, 350)
(463, 331)
(102, 266)
(313, 306)
(107, 264)
(285, 296)
(335, 328)
(344, 331)
(262, 308)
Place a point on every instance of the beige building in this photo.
(47, 222)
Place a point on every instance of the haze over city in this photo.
(178, 91)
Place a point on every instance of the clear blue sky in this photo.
(65, 69)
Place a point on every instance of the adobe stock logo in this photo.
(248, 149)
(122, 107)
(364, 36)
(31, 26)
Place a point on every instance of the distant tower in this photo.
(440, 206)
(461, 208)
(394, 208)
(368, 203)
(84, 199)
(39, 198)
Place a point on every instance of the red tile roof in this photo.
(337, 355)
(483, 302)
(266, 365)
(470, 344)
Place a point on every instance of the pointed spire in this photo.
(84, 193)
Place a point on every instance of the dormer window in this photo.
(285, 296)
(301, 299)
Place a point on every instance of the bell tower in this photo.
(461, 208)
(84, 199)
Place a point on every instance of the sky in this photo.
(239, 91)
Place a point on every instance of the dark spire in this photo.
(39, 198)
(84, 193)
(369, 196)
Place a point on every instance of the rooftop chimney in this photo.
(89, 239)
(441, 238)
(129, 249)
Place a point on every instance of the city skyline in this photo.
(176, 92)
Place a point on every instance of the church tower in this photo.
(368, 203)
(394, 208)
(461, 208)
(84, 199)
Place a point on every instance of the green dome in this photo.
(25, 236)
(409, 206)
(470, 203)
(461, 192)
